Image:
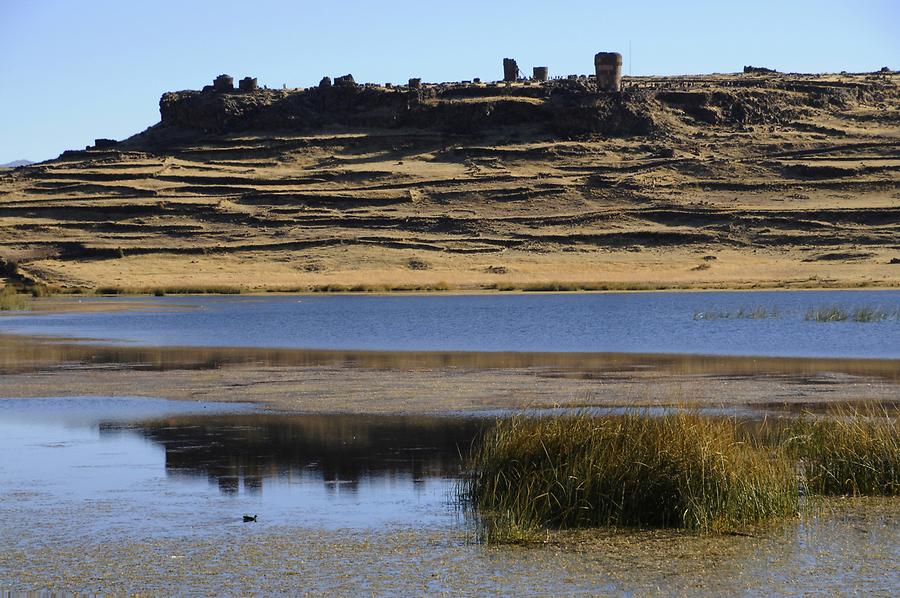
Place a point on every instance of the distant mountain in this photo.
(16, 163)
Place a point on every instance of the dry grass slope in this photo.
(796, 186)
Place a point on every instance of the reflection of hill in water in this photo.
(28, 354)
(337, 449)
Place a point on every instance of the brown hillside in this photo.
(714, 181)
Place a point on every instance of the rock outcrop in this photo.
(567, 107)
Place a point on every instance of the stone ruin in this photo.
(510, 70)
(103, 144)
(344, 81)
(608, 71)
(223, 83)
(758, 70)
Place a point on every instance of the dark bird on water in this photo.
(248, 518)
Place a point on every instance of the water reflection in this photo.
(338, 451)
(24, 354)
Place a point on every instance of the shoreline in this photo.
(385, 382)
(414, 290)
(53, 301)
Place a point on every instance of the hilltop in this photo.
(757, 179)
(16, 164)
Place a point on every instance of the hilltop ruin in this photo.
(738, 180)
(568, 106)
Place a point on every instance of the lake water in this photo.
(139, 467)
(145, 495)
(140, 494)
(692, 323)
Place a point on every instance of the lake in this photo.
(125, 494)
(765, 323)
(93, 462)
(103, 490)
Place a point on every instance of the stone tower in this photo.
(608, 67)
(510, 69)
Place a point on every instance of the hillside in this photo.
(16, 164)
(714, 181)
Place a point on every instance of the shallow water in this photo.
(93, 463)
(614, 322)
(144, 495)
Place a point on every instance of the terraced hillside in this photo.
(717, 181)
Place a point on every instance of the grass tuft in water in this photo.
(849, 452)
(758, 312)
(12, 300)
(835, 313)
(679, 470)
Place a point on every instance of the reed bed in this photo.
(850, 452)
(12, 300)
(560, 287)
(379, 288)
(759, 312)
(173, 290)
(834, 313)
(679, 470)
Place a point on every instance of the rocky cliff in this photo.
(563, 107)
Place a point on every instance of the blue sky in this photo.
(72, 70)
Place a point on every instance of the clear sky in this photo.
(73, 70)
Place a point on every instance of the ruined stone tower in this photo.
(608, 67)
(541, 73)
(223, 83)
(510, 69)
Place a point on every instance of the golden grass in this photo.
(849, 452)
(12, 300)
(679, 470)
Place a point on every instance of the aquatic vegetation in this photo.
(378, 288)
(12, 300)
(849, 452)
(173, 290)
(831, 313)
(835, 313)
(759, 312)
(562, 287)
(678, 470)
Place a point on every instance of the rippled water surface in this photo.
(715, 323)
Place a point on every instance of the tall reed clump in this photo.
(679, 470)
(849, 452)
(11, 299)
